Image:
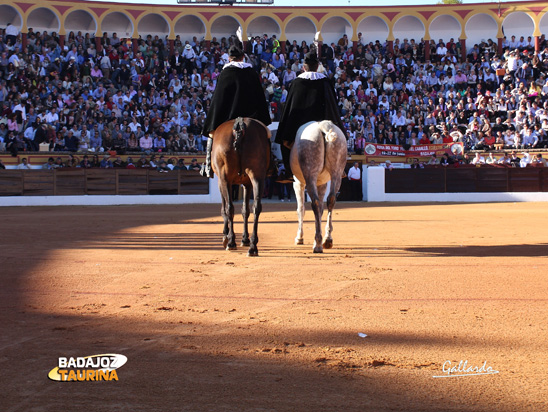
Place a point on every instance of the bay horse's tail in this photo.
(326, 127)
(238, 132)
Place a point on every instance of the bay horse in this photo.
(317, 157)
(241, 155)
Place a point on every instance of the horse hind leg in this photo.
(298, 187)
(245, 214)
(258, 188)
(331, 199)
(224, 214)
(327, 240)
(317, 207)
(227, 211)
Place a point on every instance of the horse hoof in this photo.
(318, 249)
(245, 243)
(225, 242)
(253, 253)
(328, 244)
(299, 241)
(231, 247)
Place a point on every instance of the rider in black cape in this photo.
(238, 93)
(311, 97)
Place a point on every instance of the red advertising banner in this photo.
(380, 152)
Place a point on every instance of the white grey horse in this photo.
(317, 157)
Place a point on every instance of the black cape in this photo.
(238, 93)
(308, 100)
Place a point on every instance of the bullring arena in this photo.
(433, 299)
(206, 329)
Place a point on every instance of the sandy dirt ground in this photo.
(209, 330)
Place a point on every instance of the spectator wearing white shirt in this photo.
(410, 86)
(11, 33)
(371, 89)
(24, 164)
(441, 50)
(272, 78)
(134, 125)
(513, 43)
(354, 177)
(509, 139)
(398, 120)
(52, 116)
(529, 138)
(478, 160)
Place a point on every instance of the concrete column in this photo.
(320, 44)
(427, 50)
(463, 51)
(97, 44)
(24, 40)
(390, 46)
(282, 46)
(61, 40)
(499, 47)
(135, 46)
(537, 44)
(171, 47)
(208, 45)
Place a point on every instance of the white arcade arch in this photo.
(480, 27)
(300, 28)
(333, 29)
(409, 27)
(41, 19)
(373, 28)
(445, 27)
(80, 20)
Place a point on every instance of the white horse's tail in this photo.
(326, 128)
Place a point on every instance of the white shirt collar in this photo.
(239, 65)
(311, 75)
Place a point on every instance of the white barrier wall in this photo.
(373, 190)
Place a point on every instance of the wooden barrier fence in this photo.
(75, 182)
(467, 180)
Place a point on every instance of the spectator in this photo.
(50, 164)
(106, 163)
(130, 164)
(162, 167)
(146, 143)
(24, 165)
(83, 95)
(416, 164)
(58, 163)
(491, 160)
(478, 159)
(539, 161)
(446, 160)
(180, 165)
(194, 165)
(85, 163)
(514, 160)
(354, 177)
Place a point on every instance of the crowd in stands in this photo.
(118, 100)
